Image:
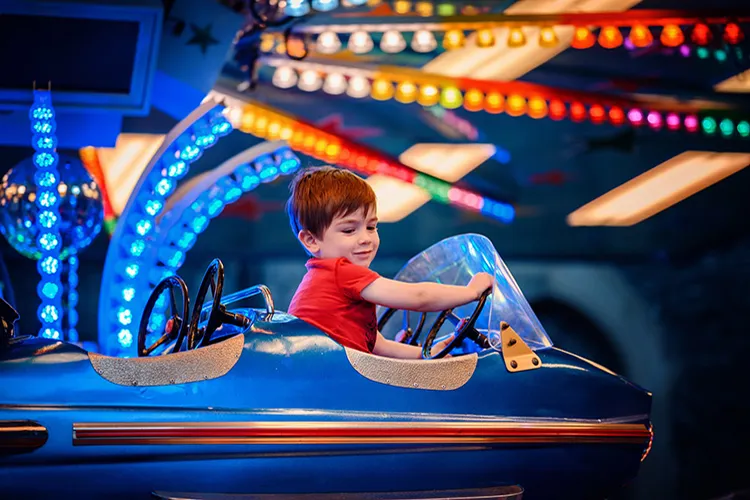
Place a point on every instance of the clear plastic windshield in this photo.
(454, 261)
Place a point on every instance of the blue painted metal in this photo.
(291, 372)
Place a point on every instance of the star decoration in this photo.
(202, 37)
(334, 124)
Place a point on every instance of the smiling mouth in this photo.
(363, 254)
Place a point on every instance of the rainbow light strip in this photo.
(648, 17)
(536, 101)
(270, 124)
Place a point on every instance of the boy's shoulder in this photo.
(325, 264)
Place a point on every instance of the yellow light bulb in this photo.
(406, 92)
(453, 39)
(548, 37)
(485, 38)
(516, 38)
(428, 95)
(451, 98)
(382, 90)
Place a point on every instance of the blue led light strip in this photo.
(49, 240)
(190, 210)
(72, 298)
(124, 278)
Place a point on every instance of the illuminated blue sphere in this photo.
(80, 205)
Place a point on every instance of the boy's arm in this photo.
(391, 349)
(424, 297)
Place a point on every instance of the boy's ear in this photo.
(308, 241)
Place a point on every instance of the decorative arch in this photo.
(161, 223)
(189, 211)
(123, 275)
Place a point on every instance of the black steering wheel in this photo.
(218, 315)
(176, 326)
(464, 328)
(412, 336)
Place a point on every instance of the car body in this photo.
(278, 407)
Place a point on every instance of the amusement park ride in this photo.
(208, 398)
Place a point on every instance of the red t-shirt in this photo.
(329, 297)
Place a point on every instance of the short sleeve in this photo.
(352, 279)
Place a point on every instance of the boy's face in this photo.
(354, 236)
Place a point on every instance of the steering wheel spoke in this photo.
(411, 337)
(217, 314)
(464, 328)
(175, 327)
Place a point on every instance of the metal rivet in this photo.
(513, 364)
(135, 382)
(415, 384)
(171, 381)
(443, 386)
(511, 342)
(535, 361)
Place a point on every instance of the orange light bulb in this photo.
(641, 36)
(610, 37)
(557, 109)
(597, 113)
(577, 112)
(516, 105)
(494, 102)
(671, 35)
(616, 115)
(537, 107)
(473, 100)
(582, 38)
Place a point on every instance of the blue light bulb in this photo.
(296, 8)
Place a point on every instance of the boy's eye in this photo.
(347, 231)
(372, 228)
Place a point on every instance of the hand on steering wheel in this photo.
(465, 328)
(218, 315)
(176, 326)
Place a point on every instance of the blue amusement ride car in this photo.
(255, 403)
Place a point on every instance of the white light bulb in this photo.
(359, 87)
(284, 77)
(360, 42)
(309, 81)
(335, 84)
(392, 42)
(328, 43)
(423, 41)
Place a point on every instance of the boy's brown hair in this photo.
(319, 194)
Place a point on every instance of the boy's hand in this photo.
(479, 283)
(400, 336)
(436, 348)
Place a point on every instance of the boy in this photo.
(333, 215)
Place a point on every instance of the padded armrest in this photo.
(444, 374)
(205, 363)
